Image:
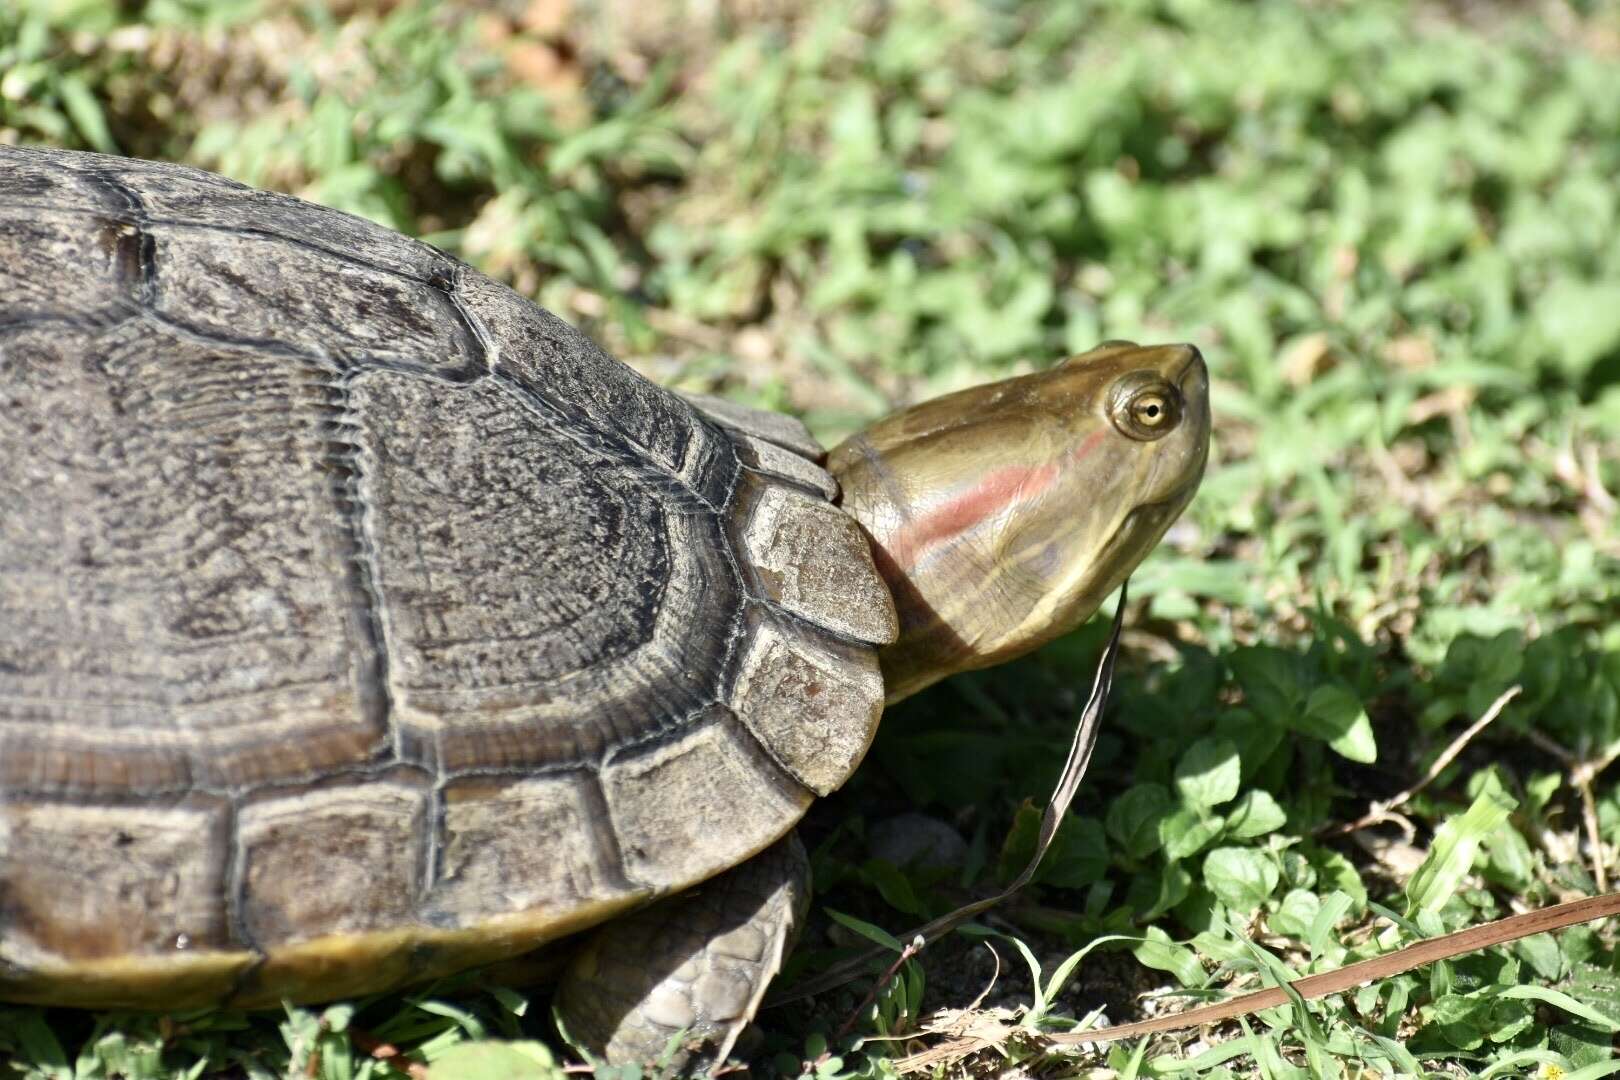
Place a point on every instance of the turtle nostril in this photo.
(1194, 364)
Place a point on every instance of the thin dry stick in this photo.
(1594, 835)
(1312, 987)
(1074, 770)
(1581, 775)
(913, 947)
(1379, 810)
(1350, 976)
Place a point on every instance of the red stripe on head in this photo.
(995, 492)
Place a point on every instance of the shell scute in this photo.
(341, 857)
(38, 179)
(536, 593)
(490, 865)
(814, 561)
(176, 611)
(814, 704)
(177, 195)
(85, 880)
(710, 798)
(89, 272)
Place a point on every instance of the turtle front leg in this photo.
(697, 962)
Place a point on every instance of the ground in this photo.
(1391, 229)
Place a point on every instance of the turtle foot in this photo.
(676, 983)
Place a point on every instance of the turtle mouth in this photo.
(1140, 519)
(1157, 516)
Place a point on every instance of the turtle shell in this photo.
(362, 621)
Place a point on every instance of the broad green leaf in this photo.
(1296, 914)
(1157, 951)
(1541, 952)
(1208, 773)
(1078, 856)
(1133, 818)
(1184, 832)
(1336, 715)
(1462, 1019)
(1338, 872)
(1580, 321)
(522, 1060)
(1256, 813)
(1242, 877)
(893, 885)
(1509, 860)
(875, 934)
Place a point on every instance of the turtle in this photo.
(363, 622)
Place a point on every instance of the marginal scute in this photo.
(87, 881)
(341, 965)
(771, 459)
(685, 808)
(813, 704)
(333, 859)
(243, 286)
(340, 856)
(785, 431)
(492, 860)
(814, 560)
(180, 980)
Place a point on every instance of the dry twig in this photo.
(1380, 810)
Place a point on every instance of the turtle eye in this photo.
(1144, 406)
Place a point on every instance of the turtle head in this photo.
(1003, 515)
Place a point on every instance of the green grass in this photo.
(1391, 228)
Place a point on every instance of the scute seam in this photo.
(142, 285)
(595, 441)
(450, 285)
(785, 481)
(607, 838)
(235, 874)
(274, 348)
(376, 697)
(295, 241)
(814, 627)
